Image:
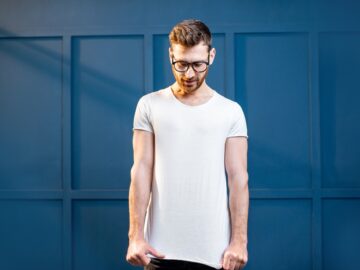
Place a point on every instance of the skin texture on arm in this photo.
(139, 196)
(236, 255)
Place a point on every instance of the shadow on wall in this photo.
(110, 90)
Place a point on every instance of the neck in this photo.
(203, 90)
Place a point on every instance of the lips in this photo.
(189, 82)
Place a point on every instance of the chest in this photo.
(201, 123)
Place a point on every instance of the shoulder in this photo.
(153, 96)
(228, 104)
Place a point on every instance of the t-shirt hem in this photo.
(238, 135)
(139, 128)
(214, 265)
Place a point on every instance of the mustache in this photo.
(192, 80)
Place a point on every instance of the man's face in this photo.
(190, 80)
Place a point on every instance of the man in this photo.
(184, 138)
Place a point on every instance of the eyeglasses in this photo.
(197, 66)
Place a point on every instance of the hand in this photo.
(234, 257)
(137, 250)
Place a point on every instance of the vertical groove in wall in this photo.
(314, 99)
(229, 65)
(66, 151)
(148, 63)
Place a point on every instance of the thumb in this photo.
(154, 252)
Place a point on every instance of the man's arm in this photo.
(139, 195)
(235, 257)
(141, 177)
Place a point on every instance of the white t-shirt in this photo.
(188, 216)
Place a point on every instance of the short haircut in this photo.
(189, 33)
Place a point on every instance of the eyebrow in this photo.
(199, 61)
(176, 60)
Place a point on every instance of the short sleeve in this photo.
(238, 126)
(142, 117)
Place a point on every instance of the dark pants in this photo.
(162, 264)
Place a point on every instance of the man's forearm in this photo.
(239, 208)
(139, 195)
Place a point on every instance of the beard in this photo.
(189, 85)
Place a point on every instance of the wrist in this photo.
(136, 236)
(239, 242)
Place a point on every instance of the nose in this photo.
(190, 72)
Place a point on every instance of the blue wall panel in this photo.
(31, 234)
(30, 113)
(272, 68)
(108, 76)
(161, 63)
(100, 234)
(341, 234)
(339, 62)
(92, 13)
(280, 234)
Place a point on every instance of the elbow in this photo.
(239, 180)
(140, 166)
(140, 170)
(132, 172)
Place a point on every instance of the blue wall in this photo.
(71, 73)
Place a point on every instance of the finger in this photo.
(132, 260)
(232, 265)
(135, 260)
(238, 266)
(242, 263)
(226, 263)
(156, 253)
(143, 259)
(148, 262)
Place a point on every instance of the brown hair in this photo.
(190, 33)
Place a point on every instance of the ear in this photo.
(212, 55)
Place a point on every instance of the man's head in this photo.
(189, 33)
(190, 54)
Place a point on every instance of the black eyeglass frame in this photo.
(188, 64)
